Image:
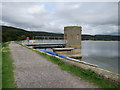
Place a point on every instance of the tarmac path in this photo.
(34, 71)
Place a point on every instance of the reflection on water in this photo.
(102, 53)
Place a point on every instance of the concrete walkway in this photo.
(34, 71)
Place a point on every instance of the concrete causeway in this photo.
(34, 71)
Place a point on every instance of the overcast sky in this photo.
(95, 18)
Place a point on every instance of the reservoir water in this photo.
(102, 53)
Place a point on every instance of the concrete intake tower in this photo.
(73, 36)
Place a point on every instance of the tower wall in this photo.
(73, 36)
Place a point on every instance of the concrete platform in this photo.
(77, 56)
(70, 52)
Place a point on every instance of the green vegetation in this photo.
(16, 34)
(7, 68)
(88, 74)
(13, 34)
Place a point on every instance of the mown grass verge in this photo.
(7, 68)
(88, 74)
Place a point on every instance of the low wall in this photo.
(110, 76)
(113, 77)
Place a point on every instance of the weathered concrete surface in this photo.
(73, 36)
(70, 52)
(33, 71)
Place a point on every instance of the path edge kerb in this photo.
(107, 75)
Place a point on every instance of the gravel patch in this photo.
(34, 71)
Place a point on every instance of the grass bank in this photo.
(88, 74)
(7, 68)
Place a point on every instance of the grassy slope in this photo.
(7, 68)
(88, 75)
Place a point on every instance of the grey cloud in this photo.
(95, 18)
(90, 13)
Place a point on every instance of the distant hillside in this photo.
(101, 37)
(40, 33)
(13, 34)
